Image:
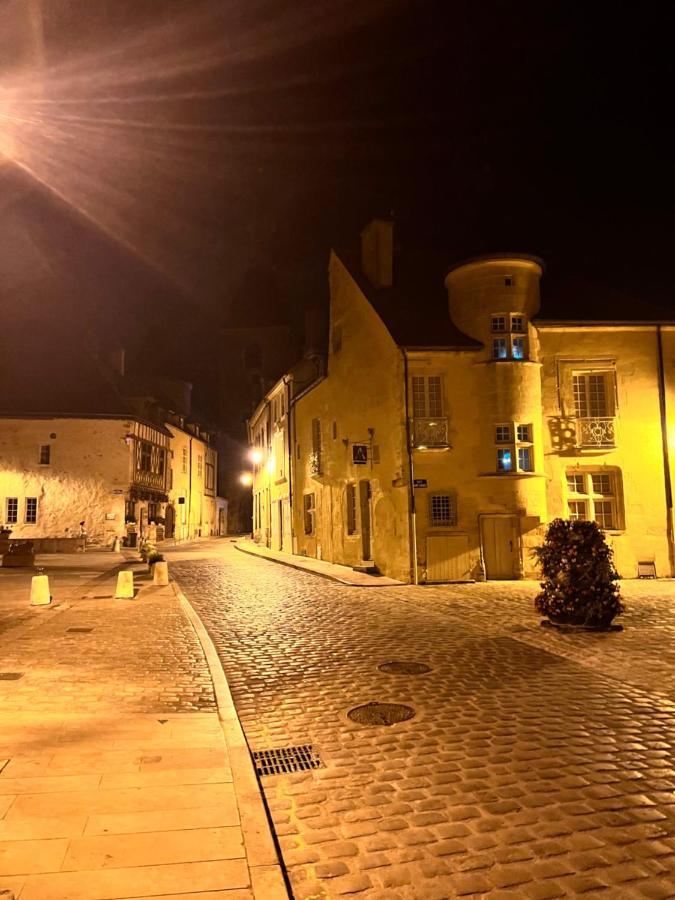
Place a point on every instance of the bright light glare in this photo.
(256, 456)
(246, 478)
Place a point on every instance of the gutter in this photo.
(411, 476)
(666, 453)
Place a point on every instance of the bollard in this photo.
(160, 573)
(125, 586)
(39, 591)
(116, 545)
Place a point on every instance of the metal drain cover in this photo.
(402, 667)
(283, 760)
(381, 713)
(10, 676)
(79, 630)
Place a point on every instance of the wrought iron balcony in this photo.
(596, 431)
(430, 432)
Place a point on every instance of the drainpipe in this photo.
(189, 504)
(289, 467)
(411, 478)
(666, 455)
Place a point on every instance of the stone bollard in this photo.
(160, 573)
(39, 591)
(125, 586)
(117, 544)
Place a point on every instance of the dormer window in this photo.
(517, 324)
(499, 323)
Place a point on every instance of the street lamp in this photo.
(246, 478)
(256, 456)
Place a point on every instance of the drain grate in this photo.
(286, 759)
(79, 630)
(381, 713)
(10, 676)
(402, 667)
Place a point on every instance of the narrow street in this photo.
(536, 764)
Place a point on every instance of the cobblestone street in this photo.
(537, 765)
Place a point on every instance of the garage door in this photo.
(448, 557)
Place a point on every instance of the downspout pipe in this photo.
(411, 477)
(289, 439)
(666, 452)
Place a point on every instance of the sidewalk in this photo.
(343, 574)
(122, 773)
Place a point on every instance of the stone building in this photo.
(451, 426)
(123, 476)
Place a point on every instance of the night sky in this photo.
(202, 143)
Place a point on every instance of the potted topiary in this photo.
(579, 589)
(154, 557)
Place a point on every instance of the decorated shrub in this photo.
(579, 586)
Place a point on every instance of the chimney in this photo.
(377, 252)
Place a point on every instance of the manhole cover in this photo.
(79, 630)
(381, 713)
(286, 759)
(10, 676)
(402, 667)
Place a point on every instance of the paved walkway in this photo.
(342, 574)
(116, 780)
(534, 766)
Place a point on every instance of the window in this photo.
(592, 395)
(594, 495)
(152, 511)
(129, 511)
(30, 516)
(334, 431)
(427, 398)
(12, 510)
(308, 509)
(185, 461)
(44, 456)
(200, 465)
(525, 459)
(508, 281)
(351, 508)
(145, 457)
(504, 460)
(210, 477)
(512, 345)
(518, 456)
(442, 510)
(161, 461)
(576, 483)
(315, 466)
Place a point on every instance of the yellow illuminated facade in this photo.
(441, 456)
(270, 465)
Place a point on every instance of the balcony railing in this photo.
(597, 431)
(150, 479)
(430, 432)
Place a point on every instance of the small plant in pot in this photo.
(579, 587)
(153, 558)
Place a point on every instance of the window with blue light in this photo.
(518, 348)
(499, 350)
(525, 459)
(504, 460)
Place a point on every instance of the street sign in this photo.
(360, 454)
(420, 482)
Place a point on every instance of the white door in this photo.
(448, 557)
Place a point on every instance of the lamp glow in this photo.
(246, 478)
(256, 456)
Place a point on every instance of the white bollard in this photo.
(125, 586)
(39, 591)
(160, 574)
(117, 544)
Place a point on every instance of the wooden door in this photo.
(500, 547)
(169, 521)
(364, 502)
(448, 558)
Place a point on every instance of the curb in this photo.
(268, 880)
(300, 568)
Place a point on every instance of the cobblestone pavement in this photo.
(523, 773)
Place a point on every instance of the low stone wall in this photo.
(45, 545)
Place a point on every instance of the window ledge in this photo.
(501, 362)
(511, 475)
